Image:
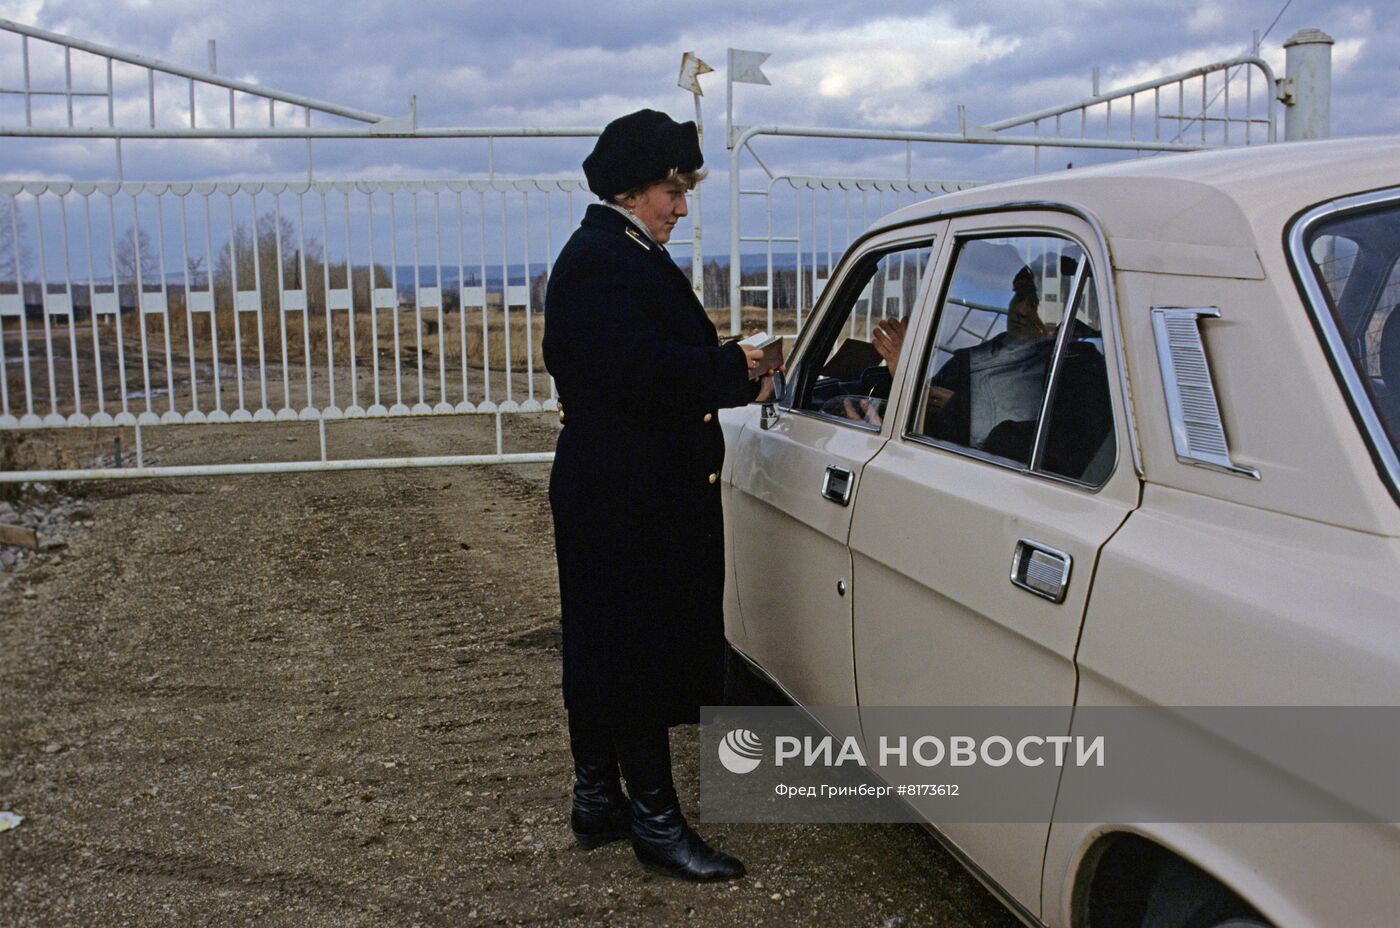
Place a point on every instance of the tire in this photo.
(1183, 896)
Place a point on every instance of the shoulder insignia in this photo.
(632, 234)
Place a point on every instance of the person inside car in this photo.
(989, 396)
(864, 399)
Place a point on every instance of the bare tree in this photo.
(272, 236)
(137, 242)
(15, 256)
(716, 283)
(538, 285)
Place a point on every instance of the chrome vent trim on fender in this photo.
(1197, 430)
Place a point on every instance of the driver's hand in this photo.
(888, 339)
(862, 410)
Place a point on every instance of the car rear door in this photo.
(979, 522)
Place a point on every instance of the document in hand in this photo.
(772, 346)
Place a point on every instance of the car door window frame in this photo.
(1085, 273)
(823, 323)
(1321, 303)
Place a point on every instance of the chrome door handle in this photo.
(836, 484)
(1041, 570)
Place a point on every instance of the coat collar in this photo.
(625, 214)
(599, 216)
(602, 216)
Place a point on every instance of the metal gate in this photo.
(1231, 102)
(131, 304)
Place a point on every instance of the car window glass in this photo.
(1334, 257)
(1078, 438)
(1356, 256)
(986, 379)
(1373, 349)
(856, 355)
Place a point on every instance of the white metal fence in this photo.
(136, 304)
(243, 302)
(824, 214)
(1227, 103)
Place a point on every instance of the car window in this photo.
(1079, 441)
(1356, 257)
(848, 369)
(1334, 257)
(1011, 375)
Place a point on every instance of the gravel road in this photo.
(333, 700)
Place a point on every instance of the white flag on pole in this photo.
(691, 69)
(746, 67)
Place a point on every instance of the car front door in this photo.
(792, 484)
(979, 522)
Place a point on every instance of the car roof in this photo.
(1222, 197)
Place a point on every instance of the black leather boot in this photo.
(600, 813)
(661, 839)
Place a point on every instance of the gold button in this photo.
(709, 416)
(714, 477)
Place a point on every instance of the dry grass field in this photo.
(388, 347)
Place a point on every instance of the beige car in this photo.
(1137, 447)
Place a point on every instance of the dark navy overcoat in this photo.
(638, 528)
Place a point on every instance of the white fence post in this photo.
(1308, 73)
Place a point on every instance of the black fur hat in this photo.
(638, 149)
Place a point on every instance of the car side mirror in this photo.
(780, 388)
(769, 413)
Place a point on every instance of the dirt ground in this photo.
(333, 699)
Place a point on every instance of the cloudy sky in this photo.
(558, 63)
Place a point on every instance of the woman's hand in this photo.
(753, 356)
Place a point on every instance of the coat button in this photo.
(714, 478)
(709, 416)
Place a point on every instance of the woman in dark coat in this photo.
(635, 492)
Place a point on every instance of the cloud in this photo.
(896, 52)
(21, 11)
(1207, 18)
(834, 63)
(1352, 19)
(1346, 54)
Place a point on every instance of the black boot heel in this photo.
(594, 830)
